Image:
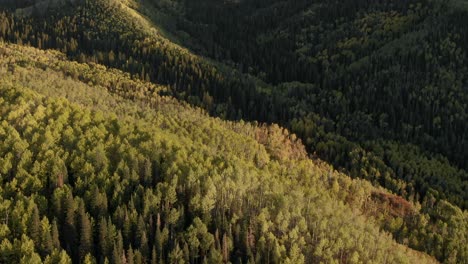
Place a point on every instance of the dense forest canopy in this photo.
(123, 166)
(155, 180)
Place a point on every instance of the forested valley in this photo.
(259, 131)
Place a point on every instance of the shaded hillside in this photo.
(393, 70)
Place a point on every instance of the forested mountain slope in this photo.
(96, 167)
(376, 89)
(354, 109)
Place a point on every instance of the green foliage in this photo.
(337, 51)
(376, 89)
(142, 178)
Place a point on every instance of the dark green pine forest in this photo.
(237, 131)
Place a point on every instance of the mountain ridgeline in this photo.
(110, 155)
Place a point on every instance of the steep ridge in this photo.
(82, 142)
